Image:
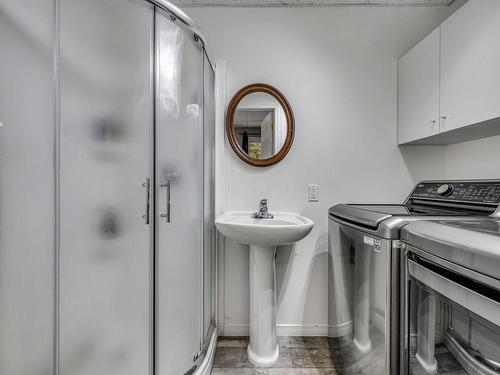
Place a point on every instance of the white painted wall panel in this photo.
(474, 159)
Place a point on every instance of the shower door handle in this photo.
(166, 215)
(147, 185)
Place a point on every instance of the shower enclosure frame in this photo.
(182, 20)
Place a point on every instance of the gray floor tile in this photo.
(447, 364)
(296, 342)
(294, 371)
(259, 371)
(233, 342)
(237, 358)
(351, 357)
(231, 357)
(344, 362)
(301, 356)
(316, 358)
(231, 371)
(284, 359)
(440, 348)
(368, 365)
(339, 342)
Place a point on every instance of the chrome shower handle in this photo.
(147, 185)
(166, 215)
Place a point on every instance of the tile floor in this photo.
(298, 356)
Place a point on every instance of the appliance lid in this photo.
(358, 215)
(409, 209)
(370, 215)
(473, 244)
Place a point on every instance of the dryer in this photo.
(452, 324)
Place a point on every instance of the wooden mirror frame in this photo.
(290, 132)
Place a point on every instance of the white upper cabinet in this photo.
(470, 65)
(418, 90)
(452, 77)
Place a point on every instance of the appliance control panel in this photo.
(482, 192)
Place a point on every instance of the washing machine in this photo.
(365, 268)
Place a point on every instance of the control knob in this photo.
(445, 190)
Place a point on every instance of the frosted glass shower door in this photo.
(179, 125)
(27, 218)
(105, 152)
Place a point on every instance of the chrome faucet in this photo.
(262, 213)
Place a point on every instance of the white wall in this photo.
(338, 68)
(475, 159)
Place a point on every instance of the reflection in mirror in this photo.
(260, 125)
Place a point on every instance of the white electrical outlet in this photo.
(312, 193)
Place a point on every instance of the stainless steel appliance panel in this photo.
(358, 302)
(468, 243)
(453, 320)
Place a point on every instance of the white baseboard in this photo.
(205, 367)
(340, 330)
(302, 330)
(293, 330)
(235, 330)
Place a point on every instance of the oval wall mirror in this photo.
(260, 125)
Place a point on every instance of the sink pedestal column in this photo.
(263, 348)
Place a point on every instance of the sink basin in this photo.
(284, 228)
(262, 236)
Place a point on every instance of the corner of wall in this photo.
(220, 188)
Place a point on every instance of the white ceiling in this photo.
(259, 3)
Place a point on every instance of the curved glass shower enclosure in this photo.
(106, 189)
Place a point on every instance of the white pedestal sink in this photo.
(262, 236)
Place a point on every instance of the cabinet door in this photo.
(470, 57)
(418, 90)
